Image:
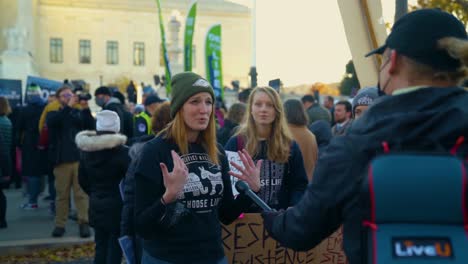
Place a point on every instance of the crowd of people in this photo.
(162, 178)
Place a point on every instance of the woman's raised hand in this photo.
(175, 180)
(250, 173)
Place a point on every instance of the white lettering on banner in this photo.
(430, 248)
(203, 203)
(273, 182)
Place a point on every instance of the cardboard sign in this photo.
(234, 157)
(247, 241)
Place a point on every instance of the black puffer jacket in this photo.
(415, 121)
(104, 162)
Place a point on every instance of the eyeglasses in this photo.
(66, 95)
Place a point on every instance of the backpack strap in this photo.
(458, 143)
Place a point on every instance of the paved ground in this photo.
(29, 231)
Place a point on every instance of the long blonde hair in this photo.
(280, 139)
(177, 131)
(457, 49)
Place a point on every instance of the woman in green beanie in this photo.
(182, 182)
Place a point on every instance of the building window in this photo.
(85, 51)
(112, 52)
(56, 50)
(138, 53)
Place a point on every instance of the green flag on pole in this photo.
(188, 37)
(166, 58)
(214, 71)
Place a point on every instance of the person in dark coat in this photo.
(63, 125)
(160, 119)
(34, 160)
(5, 176)
(127, 223)
(423, 110)
(131, 92)
(103, 164)
(234, 118)
(5, 159)
(104, 98)
(322, 132)
(128, 117)
(16, 178)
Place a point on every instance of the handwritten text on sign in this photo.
(246, 241)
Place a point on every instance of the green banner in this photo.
(188, 37)
(166, 58)
(214, 71)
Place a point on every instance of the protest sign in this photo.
(11, 90)
(234, 157)
(247, 241)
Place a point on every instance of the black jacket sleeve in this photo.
(55, 118)
(87, 119)
(83, 178)
(230, 208)
(118, 109)
(297, 175)
(127, 224)
(149, 188)
(319, 212)
(5, 163)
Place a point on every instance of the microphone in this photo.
(243, 187)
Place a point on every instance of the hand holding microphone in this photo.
(243, 187)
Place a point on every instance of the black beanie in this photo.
(184, 85)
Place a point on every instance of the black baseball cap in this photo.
(416, 34)
(153, 98)
(103, 90)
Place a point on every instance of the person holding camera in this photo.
(63, 125)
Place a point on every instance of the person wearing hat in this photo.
(423, 60)
(143, 120)
(363, 99)
(104, 97)
(182, 181)
(314, 110)
(34, 160)
(103, 164)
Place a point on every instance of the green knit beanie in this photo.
(184, 85)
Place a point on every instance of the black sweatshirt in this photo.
(282, 184)
(189, 229)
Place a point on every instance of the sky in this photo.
(303, 41)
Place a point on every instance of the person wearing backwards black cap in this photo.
(424, 58)
(143, 120)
